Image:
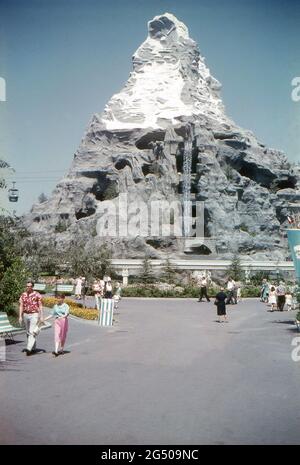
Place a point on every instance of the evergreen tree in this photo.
(169, 271)
(235, 270)
(147, 271)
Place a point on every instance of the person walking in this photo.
(289, 301)
(235, 293)
(238, 291)
(264, 291)
(117, 294)
(60, 312)
(108, 289)
(97, 292)
(78, 288)
(280, 292)
(31, 312)
(272, 300)
(220, 302)
(102, 287)
(231, 292)
(84, 290)
(203, 289)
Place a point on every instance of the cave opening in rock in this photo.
(199, 250)
(144, 142)
(194, 188)
(146, 168)
(259, 175)
(122, 163)
(105, 188)
(85, 213)
(289, 183)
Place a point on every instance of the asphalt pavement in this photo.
(165, 373)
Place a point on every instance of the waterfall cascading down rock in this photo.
(186, 181)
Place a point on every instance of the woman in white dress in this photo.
(289, 301)
(117, 294)
(272, 298)
(78, 288)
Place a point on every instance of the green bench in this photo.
(64, 288)
(40, 287)
(6, 329)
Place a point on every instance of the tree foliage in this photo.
(12, 269)
(235, 270)
(147, 271)
(169, 271)
(92, 264)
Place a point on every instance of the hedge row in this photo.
(187, 292)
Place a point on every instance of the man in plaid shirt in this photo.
(31, 311)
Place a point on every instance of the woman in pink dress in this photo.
(60, 312)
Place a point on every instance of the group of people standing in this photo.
(101, 288)
(277, 296)
(232, 296)
(104, 289)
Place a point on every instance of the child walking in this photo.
(272, 299)
(117, 294)
(60, 312)
(289, 301)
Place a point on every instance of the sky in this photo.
(62, 60)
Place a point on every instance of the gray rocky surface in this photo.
(246, 186)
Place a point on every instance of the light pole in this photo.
(277, 274)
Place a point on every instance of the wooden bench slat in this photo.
(5, 326)
(64, 287)
(69, 286)
(2, 330)
(39, 287)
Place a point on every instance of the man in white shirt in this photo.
(231, 299)
(203, 289)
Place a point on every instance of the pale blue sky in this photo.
(63, 60)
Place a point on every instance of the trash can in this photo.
(105, 311)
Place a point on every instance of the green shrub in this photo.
(152, 291)
(250, 291)
(12, 284)
(257, 278)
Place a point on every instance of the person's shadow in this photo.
(36, 351)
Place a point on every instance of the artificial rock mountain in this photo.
(246, 187)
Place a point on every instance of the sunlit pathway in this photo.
(166, 373)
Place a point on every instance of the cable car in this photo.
(13, 193)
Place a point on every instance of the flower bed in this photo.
(75, 308)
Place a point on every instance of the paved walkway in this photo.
(166, 373)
